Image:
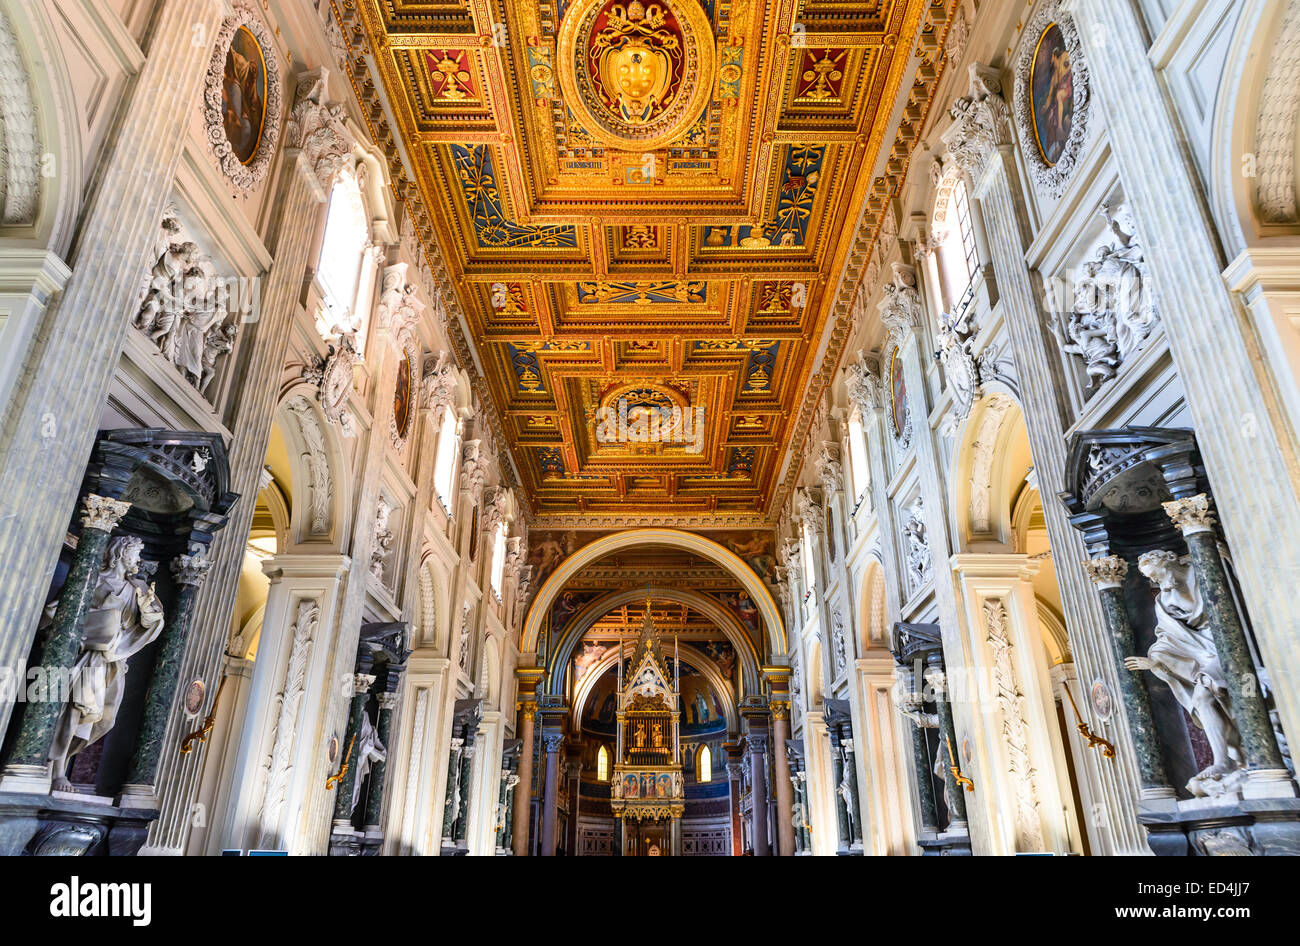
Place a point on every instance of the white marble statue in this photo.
(1184, 657)
(124, 617)
(369, 751)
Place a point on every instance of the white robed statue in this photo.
(1184, 657)
(369, 751)
(124, 617)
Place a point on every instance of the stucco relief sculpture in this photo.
(1112, 316)
(383, 539)
(185, 306)
(332, 376)
(125, 616)
(917, 545)
(1185, 658)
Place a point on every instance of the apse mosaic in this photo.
(632, 192)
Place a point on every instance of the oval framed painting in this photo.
(898, 398)
(1051, 98)
(194, 698)
(404, 395)
(242, 99)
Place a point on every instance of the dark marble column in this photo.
(524, 790)
(361, 683)
(837, 777)
(1107, 572)
(851, 772)
(737, 831)
(188, 572)
(921, 762)
(61, 644)
(552, 741)
(1192, 516)
(758, 792)
(466, 776)
(451, 798)
(947, 745)
(378, 771)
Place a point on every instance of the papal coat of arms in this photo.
(636, 75)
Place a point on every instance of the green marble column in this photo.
(188, 571)
(451, 801)
(1192, 516)
(837, 777)
(921, 763)
(948, 746)
(62, 639)
(851, 768)
(361, 683)
(462, 814)
(375, 800)
(1107, 573)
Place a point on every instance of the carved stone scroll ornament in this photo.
(1114, 311)
(332, 376)
(1015, 728)
(981, 122)
(20, 143)
(829, 470)
(320, 131)
(438, 386)
(900, 309)
(399, 307)
(315, 458)
(244, 175)
(279, 763)
(185, 305)
(863, 385)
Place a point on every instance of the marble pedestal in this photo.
(946, 844)
(355, 843)
(1215, 827)
(62, 824)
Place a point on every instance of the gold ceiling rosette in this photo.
(636, 75)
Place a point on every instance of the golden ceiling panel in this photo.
(645, 202)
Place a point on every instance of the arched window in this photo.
(339, 266)
(498, 558)
(602, 765)
(444, 465)
(955, 234)
(704, 768)
(859, 472)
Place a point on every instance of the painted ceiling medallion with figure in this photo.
(637, 75)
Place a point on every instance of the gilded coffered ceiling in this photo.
(646, 205)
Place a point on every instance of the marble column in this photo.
(361, 683)
(758, 791)
(855, 821)
(379, 770)
(28, 766)
(1230, 396)
(948, 747)
(524, 791)
(509, 788)
(1107, 572)
(837, 777)
(1193, 518)
(784, 790)
(188, 572)
(451, 797)
(552, 742)
(980, 141)
(465, 776)
(737, 831)
(53, 416)
(922, 762)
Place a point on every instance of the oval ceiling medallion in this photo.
(636, 74)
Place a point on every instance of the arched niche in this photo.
(989, 469)
(769, 613)
(690, 654)
(319, 482)
(561, 656)
(432, 603)
(874, 623)
(1255, 141)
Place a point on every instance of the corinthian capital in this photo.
(103, 513)
(320, 130)
(862, 383)
(1106, 571)
(1191, 515)
(190, 568)
(900, 309)
(981, 121)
